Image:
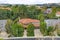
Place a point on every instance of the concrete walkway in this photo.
(37, 33)
(25, 33)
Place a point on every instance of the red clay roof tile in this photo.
(27, 21)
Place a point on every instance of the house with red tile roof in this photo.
(26, 21)
(58, 13)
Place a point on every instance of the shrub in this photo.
(17, 30)
(50, 31)
(58, 32)
(46, 31)
(43, 27)
(8, 26)
(41, 17)
(30, 30)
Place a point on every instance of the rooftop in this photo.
(26, 21)
(58, 12)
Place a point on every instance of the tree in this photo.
(4, 13)
(58, 32)
(33, 12)
(47, 31)
(43, 27)
(50, 31)
(30, 30)
(15, 11)
(17, 30)
(8, 26)
(23, 11)
(58, 8)
(20, 10)
(16, 20)
(41, 17)
(53, 13)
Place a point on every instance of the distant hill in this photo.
(50, 4)
(47, 5)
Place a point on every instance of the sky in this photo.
(28, 1)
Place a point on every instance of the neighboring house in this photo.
(48, 11)
(26, 21)
(53, 22)
(58, 13)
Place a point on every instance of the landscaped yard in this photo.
(29, 21)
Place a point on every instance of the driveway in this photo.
(3, 35)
